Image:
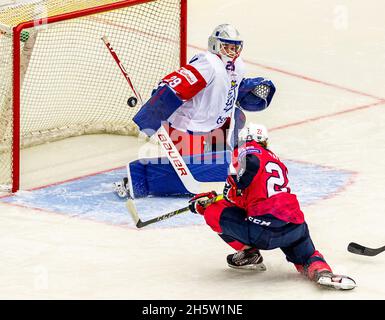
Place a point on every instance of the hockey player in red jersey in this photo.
(259, 212)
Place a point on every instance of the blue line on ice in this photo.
(92, 197)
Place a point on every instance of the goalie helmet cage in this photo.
(57, 79)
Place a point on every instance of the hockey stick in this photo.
(140, 224)
(123, 70)
(191, 184)
(364, 251)
(177, 162)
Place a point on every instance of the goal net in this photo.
(58, 80)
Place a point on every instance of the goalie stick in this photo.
(122, 69)
(179, 165)
(364, 251)
(191, 184)
(140, 224)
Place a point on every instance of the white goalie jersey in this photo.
(209, 89)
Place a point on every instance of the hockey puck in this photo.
(132, 101)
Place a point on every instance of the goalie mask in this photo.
(226, 42)
(253, 131)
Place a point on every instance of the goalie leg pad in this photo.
(136, 171)
(157, 177)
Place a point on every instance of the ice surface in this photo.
(91, 197)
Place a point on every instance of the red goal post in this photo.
(144, 23)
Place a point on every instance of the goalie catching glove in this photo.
(199, 202)
(255, 94)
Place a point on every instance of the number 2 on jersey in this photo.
(278, 181)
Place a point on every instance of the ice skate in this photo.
(248, 259)
(121, 188)
(319, 271)
(328, 279)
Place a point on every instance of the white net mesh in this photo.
(70, 83)
(6, 77)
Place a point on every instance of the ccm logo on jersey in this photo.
(173, 154)
(258, 221)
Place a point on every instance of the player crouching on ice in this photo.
(259, 212)
(201, 106)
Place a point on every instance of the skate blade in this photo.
(337, 282)
(252, 267)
